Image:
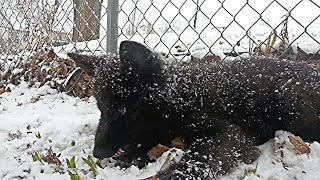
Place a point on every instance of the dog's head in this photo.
(120, 84)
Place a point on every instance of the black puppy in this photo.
(221, 109)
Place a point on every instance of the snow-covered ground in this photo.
(34, 119)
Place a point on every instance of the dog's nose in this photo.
(102, 153)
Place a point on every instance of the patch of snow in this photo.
(281, 164)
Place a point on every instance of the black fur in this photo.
(221, 109)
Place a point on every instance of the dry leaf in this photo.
(178, 143)
(2, 90)
(8, 89)
(157, 151)
(34, 99)
(299, 146)
(53, 158)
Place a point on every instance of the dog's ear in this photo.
(141, 61)
(85, 62)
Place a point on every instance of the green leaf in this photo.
(36, 157)
(73, 176)
(91, 163)
(73, 143)
(38, 135)
(72, 162)
(245, 172)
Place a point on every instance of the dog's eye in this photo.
(122, 110)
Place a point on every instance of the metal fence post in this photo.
(112, 25)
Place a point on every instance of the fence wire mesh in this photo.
(174, 27)
(178, 29)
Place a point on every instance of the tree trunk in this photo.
(86, 20)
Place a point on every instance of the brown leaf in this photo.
(178, 143)
(2, 90)
(16, 135)
(299, 146)
(53, 158)
(51, 54)
(8, 89)
(69, 62)
(157, 151)
(34, 99)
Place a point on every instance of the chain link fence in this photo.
(176, 28)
